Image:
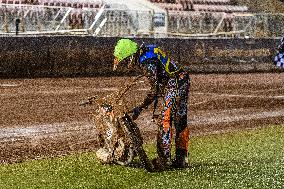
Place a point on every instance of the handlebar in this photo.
(116, 96)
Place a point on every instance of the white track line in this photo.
(16, 133)
(204, 102)
(70, 91)
(224, 118)
(19, 132)
(113, 89)
(217, 96)
(242, 96)
(266, 90)
(8, 85)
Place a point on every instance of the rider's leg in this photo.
(165, 129)
(182, 130)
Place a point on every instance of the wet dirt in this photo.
(42, 118)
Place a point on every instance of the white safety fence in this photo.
(207, 24)
(104, 21)
(36, 19)
(261, 25)
(42, 19)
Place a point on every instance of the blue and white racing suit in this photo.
(172, 82)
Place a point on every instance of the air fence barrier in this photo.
(72, 56)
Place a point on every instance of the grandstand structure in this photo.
(159, 18)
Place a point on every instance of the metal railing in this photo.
(126, 22)
(40, 19)
(208, 24)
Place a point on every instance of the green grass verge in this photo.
(249, 159)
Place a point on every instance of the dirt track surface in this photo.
(42, 117)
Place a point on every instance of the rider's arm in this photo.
(150, 70)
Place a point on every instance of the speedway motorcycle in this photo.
(119, 137)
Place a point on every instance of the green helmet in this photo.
(125, 48)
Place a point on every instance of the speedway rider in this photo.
(170, 80)
(279, 58)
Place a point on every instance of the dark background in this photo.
(72, 56)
